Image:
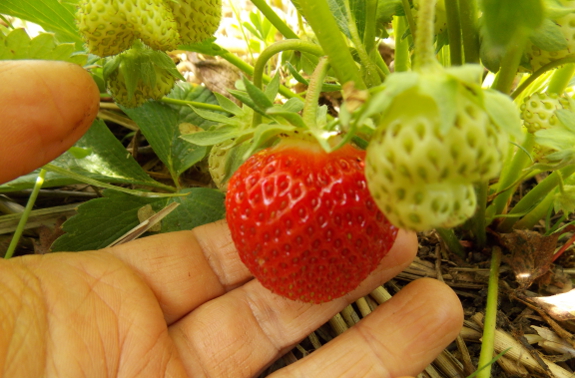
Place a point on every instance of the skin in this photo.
(179, 304)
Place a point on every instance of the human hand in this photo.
(179, 304)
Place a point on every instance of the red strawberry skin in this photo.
(304, 222)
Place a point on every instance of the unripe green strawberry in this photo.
(538, 110)
(421, 166)
(110, 26)
(539, 57)
(197, 19)
(217, 161)
(303, 220)
(140, 74)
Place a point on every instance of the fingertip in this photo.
(45, 107)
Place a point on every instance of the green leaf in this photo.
(565, 200)
(200, 206)
(549, 37)
(503, 112)
(567, 118)
(159, 124)
(18, 45)
(207, 47)
(504, 18)
(271, 90)
(104, 158)
(443, 89)
(52, 15)
(101, 221)
(257, 95)
(228, 105)
(212, 137)
(216, 117)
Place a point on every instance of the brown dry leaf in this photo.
(531, 254)
(217, 76)
(560, 307)
(47, 236)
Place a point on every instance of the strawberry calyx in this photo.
(140, 74)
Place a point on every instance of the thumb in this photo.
(45, 107)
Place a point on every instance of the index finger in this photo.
(45, 107)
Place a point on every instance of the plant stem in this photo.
(535, 195)
(196, 104)
(401, 62)
(24, 218)
(272, 17)
(539, 212)
(424, 50)
(510, 174)
(478, 220)
(535, 75)
(510, 62)
(269, 52)
(371, 74)
(369, 32)
(468, 14)
(246, 68)
(454, 32)
(86, 180)
(561, 78)
(489, 323)
(324, 25)
(409, 18)
(451, 241)
(309, 114)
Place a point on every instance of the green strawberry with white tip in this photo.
(197, 19)
(111, 26)
(140, 74)
(439, 133)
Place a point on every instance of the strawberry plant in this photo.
(323, 149)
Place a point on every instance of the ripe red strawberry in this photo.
(303, 220)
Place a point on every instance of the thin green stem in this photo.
(539, 212)
(370, 71)
(401, 62)
(276, 21)
(479, 220)
(489, 323)
(454, 32)
(424, 50)
(561, 79)
(324, 25)
(468, 13)
(86, 180)
(451, 241)
(535, 75)
(510, 174)
(369, 32)
(409, 18)
(309, 114)
(196, 104)
(22, 223)
(278, 47)
(249, 70)
(510, 63)
(271, 51)
(534, 196)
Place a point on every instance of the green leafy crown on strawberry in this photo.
(140, 74)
